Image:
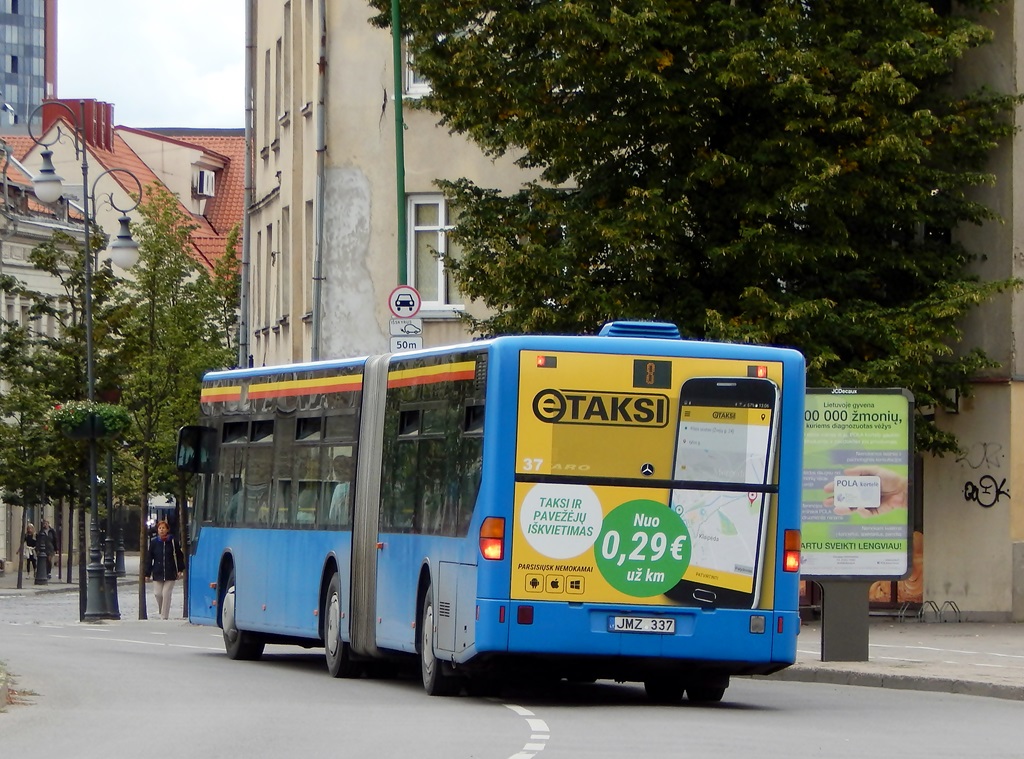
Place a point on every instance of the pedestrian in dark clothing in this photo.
(46, 545)
(164, 564)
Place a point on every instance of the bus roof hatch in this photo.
(641, 329)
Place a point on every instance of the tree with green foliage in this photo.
(171, 333)
(226, 278)
(753, 170)
(27, 449)
(44, 363)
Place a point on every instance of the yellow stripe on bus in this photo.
(211, 394)
(348, 383)
(464, 370)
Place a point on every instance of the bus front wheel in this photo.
(337, 652)
(239, 644)
(435, 682)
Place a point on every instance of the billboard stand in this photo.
(857, 493)
(844, 621)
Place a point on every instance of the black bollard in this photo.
(41, 554)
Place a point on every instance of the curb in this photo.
(59, 587)
(799, 674)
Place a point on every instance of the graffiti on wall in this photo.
(986, 490)
(982, 455)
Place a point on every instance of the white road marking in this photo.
(539, 732)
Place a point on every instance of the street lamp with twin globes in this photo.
(100, 596)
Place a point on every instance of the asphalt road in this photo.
(165, 688)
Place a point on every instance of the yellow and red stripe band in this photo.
(346, 384)
(426, 375)
(221, 394)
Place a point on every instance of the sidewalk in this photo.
(972, 658)
(9, 580)
(9, 588)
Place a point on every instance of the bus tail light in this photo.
(492, 539)
(791, 556)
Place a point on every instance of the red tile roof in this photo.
(227, 207)
(222, 212)
(20, 145)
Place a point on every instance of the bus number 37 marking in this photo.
(533, 465)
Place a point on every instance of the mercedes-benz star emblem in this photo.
(647, 470)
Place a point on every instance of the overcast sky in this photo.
(162, 63)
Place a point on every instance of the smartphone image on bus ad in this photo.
(725, 444)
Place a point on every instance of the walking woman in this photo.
(164, 565)
(30, 547)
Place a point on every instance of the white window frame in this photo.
(437, 274)
(416, 85)
(204, 183)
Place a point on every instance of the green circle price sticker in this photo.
(643, 549)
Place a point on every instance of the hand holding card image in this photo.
(866, 490)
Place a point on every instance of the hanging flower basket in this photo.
(83, 420)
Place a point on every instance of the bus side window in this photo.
(282, 504)
(282, 507)
(431, 471)
(232, 513)
(309, 431)
(307, 468)
(401, 506)
(258, 470)
(197, 449)
(470, 467)
(337, 495)
(231, 475)
(430, 487)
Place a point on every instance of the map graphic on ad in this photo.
(727, 442)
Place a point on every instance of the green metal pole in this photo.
(396, 45)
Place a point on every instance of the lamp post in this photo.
(49, 187)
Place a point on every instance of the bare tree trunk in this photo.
(183, 538)
(69, 530)
(143, 538)
(21, 545)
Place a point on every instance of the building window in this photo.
(416, 84)
(430, 220)
(203, 183)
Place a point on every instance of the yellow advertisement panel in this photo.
(643, 480)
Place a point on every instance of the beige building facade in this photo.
(324, 197)
(973, 503)
(323, 252)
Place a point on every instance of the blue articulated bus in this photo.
(622, 506)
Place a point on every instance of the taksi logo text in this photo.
(593, 407)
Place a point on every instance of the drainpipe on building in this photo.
(396, 52)
(318, 206)
(243, 296)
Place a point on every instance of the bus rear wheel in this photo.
(239, 644)
(337, 652)
(705, 693)
(663, 690)
(435, 682)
